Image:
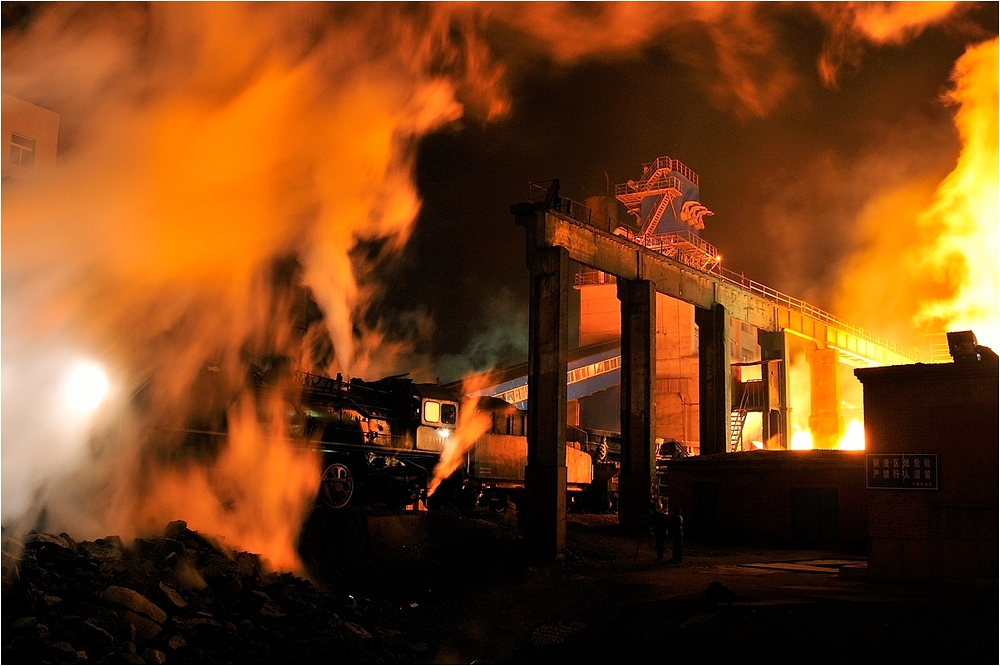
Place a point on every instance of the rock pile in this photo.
(178, 599)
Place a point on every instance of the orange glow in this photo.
(963, 219)
(253, 496)
(800, 396)
(251, 138)
(853, 439)
(471, 424)
(802, 440)
(929, 263)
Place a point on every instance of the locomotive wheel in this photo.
(602, 452)
(336, 486)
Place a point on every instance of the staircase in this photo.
(737, 419)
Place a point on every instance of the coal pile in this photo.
(179, 599)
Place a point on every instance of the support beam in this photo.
(753, 303)
(714, 388)
(544, 509)
(638, 411)
(825, 420)
(778, 415)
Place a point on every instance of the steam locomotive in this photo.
(381, 440)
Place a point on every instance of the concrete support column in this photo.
(714, 388)
(778, 415)
(573, 412)
(825, 420)
(638, 411)
(544, 508)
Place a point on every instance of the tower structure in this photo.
(666, 216)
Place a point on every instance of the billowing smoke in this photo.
(499, 340)
(964, 215)
(855, 24)
(217, 161)
(734, 46)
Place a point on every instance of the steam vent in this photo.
(548, 333)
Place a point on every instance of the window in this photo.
(449, 414)
(22, 151)
(432, 411)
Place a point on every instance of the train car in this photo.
(380, 441)
(492, 473)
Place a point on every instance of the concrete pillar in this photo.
(638, 411)
(573, 412)
(544, 513)
(714, 388)
(777, 416)
(825, 420)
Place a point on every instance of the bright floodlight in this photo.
(85, 388)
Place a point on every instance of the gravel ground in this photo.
(469, 593)
(452, 587)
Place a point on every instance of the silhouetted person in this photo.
(675, 526)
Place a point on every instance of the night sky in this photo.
(785, 187)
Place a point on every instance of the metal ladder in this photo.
(737, 419)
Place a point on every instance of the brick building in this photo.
(944, 527)
(803, 498)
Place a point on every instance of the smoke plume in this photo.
(854, 24)
(217, 160)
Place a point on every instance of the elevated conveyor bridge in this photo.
(592, 240)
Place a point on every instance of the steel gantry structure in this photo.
(560, 230)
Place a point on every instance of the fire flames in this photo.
(471, 424)
(943, 255)
(964, 218)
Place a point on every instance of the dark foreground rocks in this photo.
(458, 587)
(178, 599)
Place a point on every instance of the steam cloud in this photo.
(853, 24)
(214, 157)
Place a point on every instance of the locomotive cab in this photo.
(438, 417)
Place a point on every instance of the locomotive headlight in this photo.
(444, 433)
(85, 388)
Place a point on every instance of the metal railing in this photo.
(811, 311)
(636, 189)
(649, 168)
(592, 277)
(538, 192)
(672, 239)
